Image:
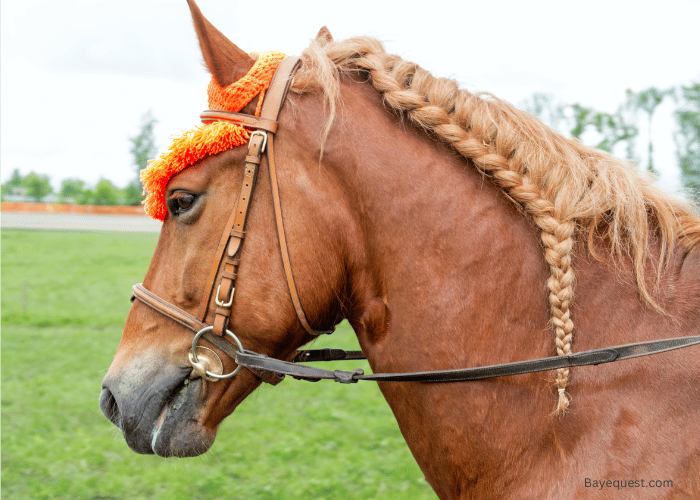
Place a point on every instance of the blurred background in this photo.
(81, 80)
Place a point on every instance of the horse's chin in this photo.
(178, 432)
(166, 420)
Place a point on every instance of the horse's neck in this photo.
(440, 254)
(609, 309)
(686, 289)
(444, 272)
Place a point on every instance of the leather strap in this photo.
(233, 230)
(279, 86)
(273, 99)
(236, 234)
(593, 357)
(249, 121)
(273, 370)
(166, 308)
(326, 354)
(182, 317)
(284, 249)
(226, 257)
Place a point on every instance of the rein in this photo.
(272, 370)
(261, 364)
(593, 357)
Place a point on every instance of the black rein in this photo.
(261, 362)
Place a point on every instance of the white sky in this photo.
(76, 76)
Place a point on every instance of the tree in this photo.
(614, 129)
(543, 107)
(648, 100)
(133, 193)
(143, 148)
(687, 138)
(581, 122)
(37, 186)
(105, 193)
(582, 119)
(86, 197)
(12, 184)
(71, 189)
(16, 179)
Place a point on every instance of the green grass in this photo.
(64, 300)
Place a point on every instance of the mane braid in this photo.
(567, 189)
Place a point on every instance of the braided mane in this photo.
(565, 187)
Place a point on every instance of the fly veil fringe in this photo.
(211, 138)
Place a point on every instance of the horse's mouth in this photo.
(179, 416)
(168, 423)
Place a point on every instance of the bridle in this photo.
(223, 273)
(224, 269)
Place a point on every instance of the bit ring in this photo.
(193, 352)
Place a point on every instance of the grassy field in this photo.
(65, 296)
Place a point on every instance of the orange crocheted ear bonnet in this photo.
(209, 139)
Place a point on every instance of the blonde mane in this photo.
(565, 187)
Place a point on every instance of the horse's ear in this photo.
(226, 62)
(324, 36)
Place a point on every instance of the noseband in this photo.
(223, 273)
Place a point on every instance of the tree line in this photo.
(617, 133)
(37, 187)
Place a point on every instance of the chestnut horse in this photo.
(451, 230)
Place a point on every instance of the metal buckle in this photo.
(195, 360)
(264, 136)
(230, 299)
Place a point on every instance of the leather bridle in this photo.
(224, 269)
(223, 273)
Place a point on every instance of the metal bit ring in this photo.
(193, 353)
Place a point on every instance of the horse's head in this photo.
(151, 391)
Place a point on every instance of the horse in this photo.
(451, 230)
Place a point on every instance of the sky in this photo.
(77, 76)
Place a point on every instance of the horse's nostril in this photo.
(109, 407)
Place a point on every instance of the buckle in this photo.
(230, 299)
(264, 136)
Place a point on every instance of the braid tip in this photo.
(562, 403)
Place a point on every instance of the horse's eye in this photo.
(185, 202)
(181, 202)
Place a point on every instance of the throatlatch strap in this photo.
(283, 246)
